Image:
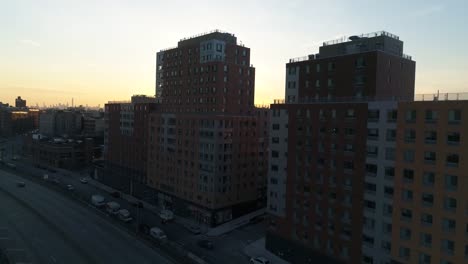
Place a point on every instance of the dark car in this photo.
(143, 228)
(20, 184)
(137, 204)
(193, 229)
(115, 194)
(206, 244)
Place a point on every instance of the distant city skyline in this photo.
(96, 52)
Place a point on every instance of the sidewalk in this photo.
(213, 232)
(257, 249)
(154, 209)
(234, 224)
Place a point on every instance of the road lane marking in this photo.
(15, 249)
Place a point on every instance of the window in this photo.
(317, 67)
(349, 148)
(430, 137)
(373, 115)
(371, 169)
(431, 116)
(405, 233)
(389, 173)
(331, 66)
(404, 253)
(359, 80)
(275, 140)
(428, 179)
(407, 195)
(406, 214)
(408, 155)
(350, 113)
(448, 247)
(349, 131)
(392, 116)
(369, 205)
(368, 223)
(387, 209)
(291, 70)
(424, 258)
(425, 240)
(428, 199)
(368, 241)
(410, 116)
(450, 204)
(391, 135)
(453, 138)
(372, 133)
(275, 126)
(410, 135)
(388, 191)
(452, 160)
(408, 176)
(449, 225)
(387, 246)
(454, 116)
(370, 187)
(331, 82)
(348, 165)
(390, 153)
(372, 151)
(274, 154)
(360, 62)
(426, 219)
(451, 182)
(387, 228)
(429, 157)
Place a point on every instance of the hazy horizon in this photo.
(96, 52)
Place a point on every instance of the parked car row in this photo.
(111, 207)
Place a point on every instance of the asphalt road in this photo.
(228, 248)
(42, 226)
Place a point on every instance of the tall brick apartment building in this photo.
(200, 147)
(329, 151)
(208, 142)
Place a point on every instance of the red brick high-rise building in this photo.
(208, 142)
(325, 164)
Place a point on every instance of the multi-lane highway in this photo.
(38, 225)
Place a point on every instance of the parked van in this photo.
(166, 215)
(157, 233)
(97, 200)
(112, 208)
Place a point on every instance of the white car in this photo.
(124, 215)
(259, 260)
(83, 180)
(70, 187)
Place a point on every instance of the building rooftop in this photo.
(375, 41)
(214, 34)
(356, 37)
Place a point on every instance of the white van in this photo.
(97, 200)
(112, 208)
(157, 233)
(166, 215)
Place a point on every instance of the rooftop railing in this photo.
(417, 97)
(367, 35)
(206, 33)
(304, 58)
